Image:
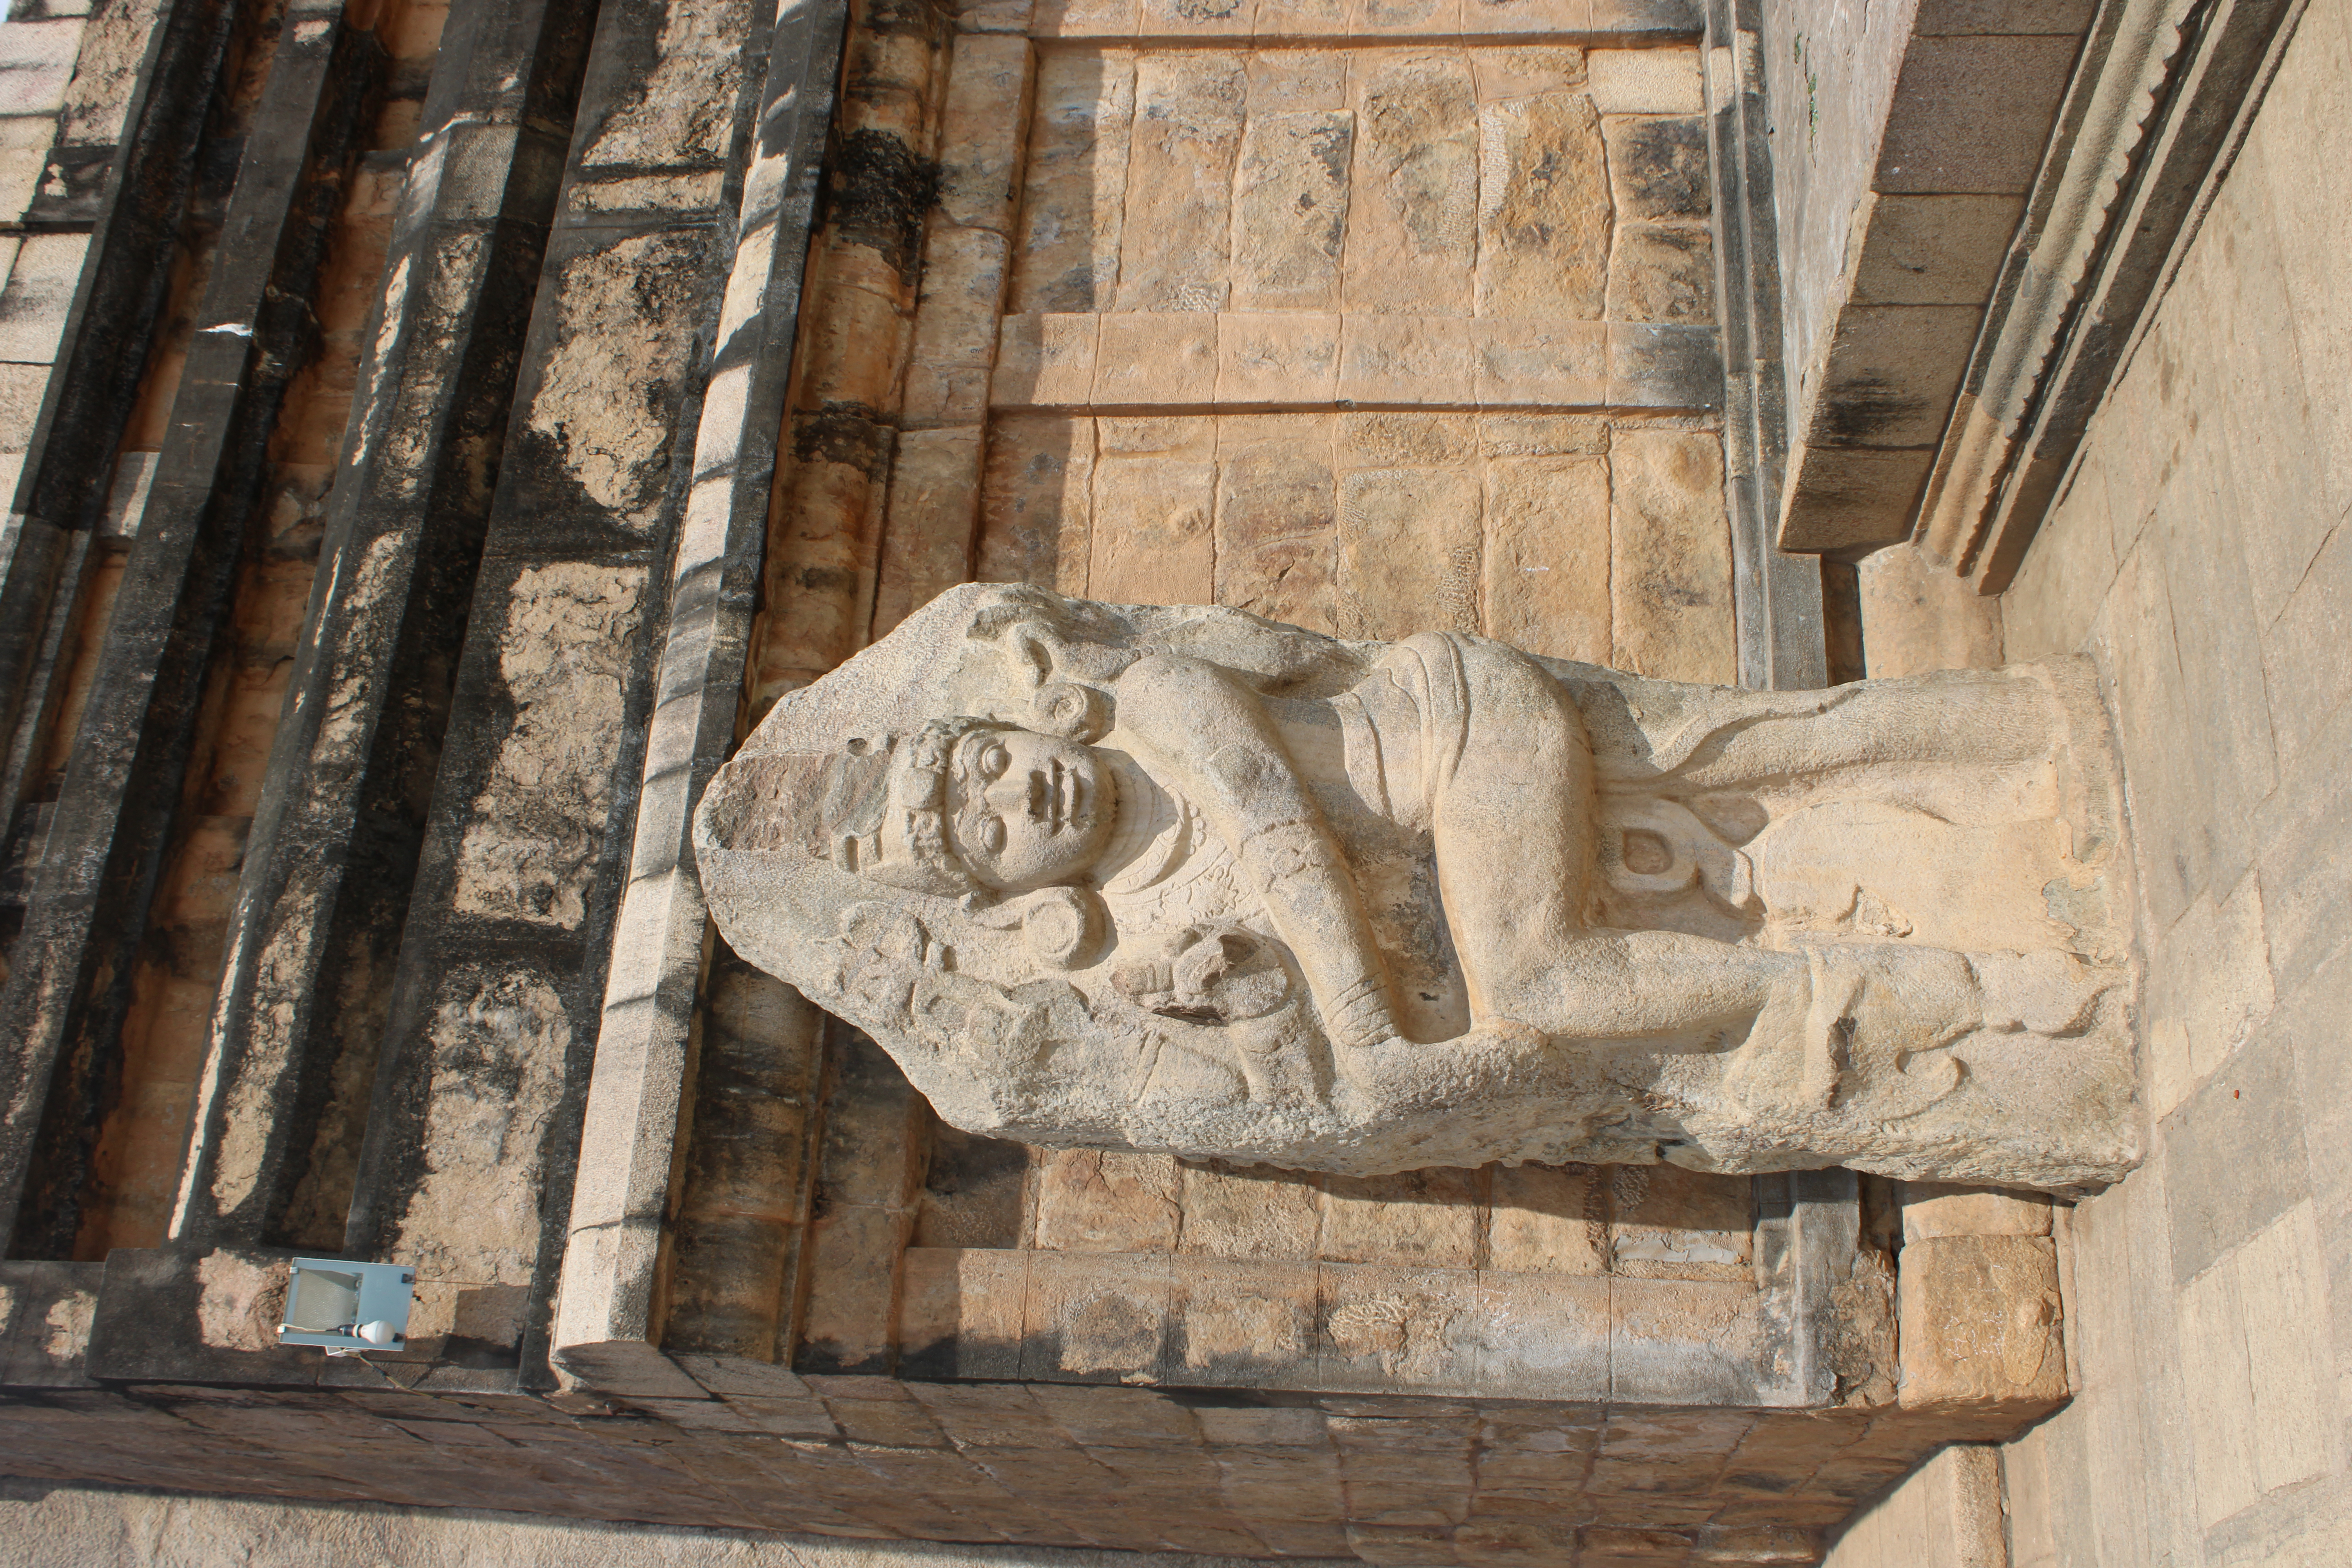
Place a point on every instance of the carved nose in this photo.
(1021, 794)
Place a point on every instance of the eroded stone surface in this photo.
(1169, 880)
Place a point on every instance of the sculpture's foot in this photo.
(2044, 992)
(1855, 1040)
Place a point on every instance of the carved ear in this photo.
(1060, 926)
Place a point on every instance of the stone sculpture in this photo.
(1184, 879)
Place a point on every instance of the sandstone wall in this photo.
(2201, 555)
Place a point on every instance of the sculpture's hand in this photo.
(1040, 655)
(1211, 738)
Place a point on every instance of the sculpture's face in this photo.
(1026, 811)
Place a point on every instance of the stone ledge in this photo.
(1167, 361)
(1193, 1322)
(1243, 22)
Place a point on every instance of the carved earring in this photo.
(1079, 714)
(1059, 926)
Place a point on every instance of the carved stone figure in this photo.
(1184, 879)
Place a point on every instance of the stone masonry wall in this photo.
(2201, 554)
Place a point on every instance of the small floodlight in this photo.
(345, 1307)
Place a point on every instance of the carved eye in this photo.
(988, 832)
(993, 760)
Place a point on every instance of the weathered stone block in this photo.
(1096, 1317)
(1933, 250)
(1545, 558)
(1290, 212)
(1427, 1218)
(1405, 360)
(974, 1192)
(982, 126)
(1544, 1336)
(1662, 273)
(1670, 580)
(1526, 17)
(1656, 17)
(2056, 17)
(37, 61)
(45, 1313)
(1663, 366)
(2235, 1156)
(1178, 225)
(1921, 615)
(1561, 364)
(1405, 439)
(1243, 1324)
(41, 277)
(1413, 211)
(1157, 359)
(1543, 209)
(1932, 1209)
(1515, 435)
(961, 1314)
(963, 293)
(1979, 1322)
(1274, 359)
(1152, 537)
(926, 539)
(1276, 517)
(1972, 113)
(1296, 20)
(940, 395)
(1100, 1200)
(1889, 375)
(1684, 1341)
(1402, 18)
(1526, 69)
(1547, 1219)
(856, 1255)
(1841, 497)
(1074, 192)
(1085, 18)
(1646, 81)
(1037, 502)
(1381, 1328)
(1409, 543)
(1190, 19)
(1658, 168)
(1044, 361)
(1673, 1223)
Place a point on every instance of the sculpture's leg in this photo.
(1513, 821)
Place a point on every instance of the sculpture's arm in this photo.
(1259, 655)
(1212, 740)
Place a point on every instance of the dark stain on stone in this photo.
(850, 434)
(826, 579)
(877, 195)
(1866, 410)
(1661, 168)
(902, 18)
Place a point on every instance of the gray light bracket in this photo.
(344, 1306)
